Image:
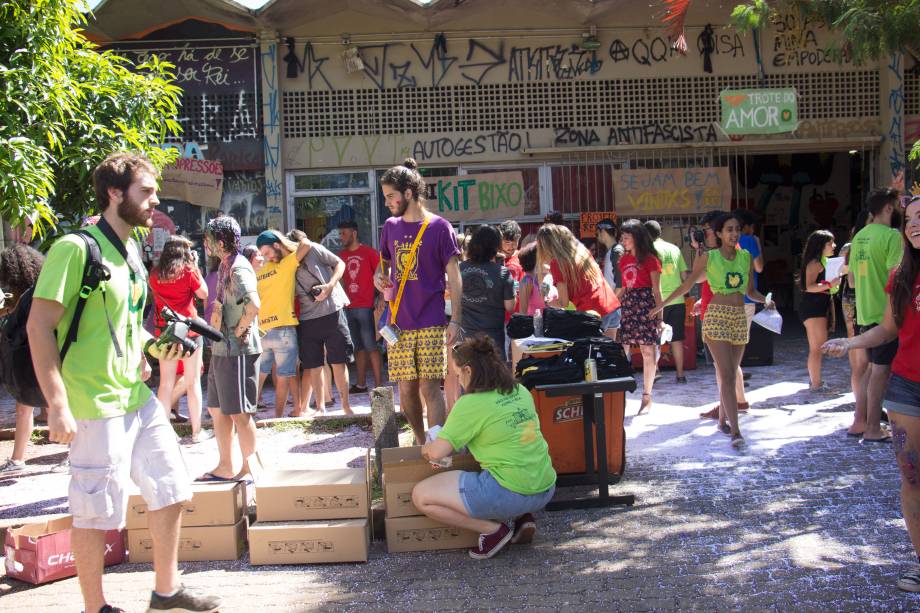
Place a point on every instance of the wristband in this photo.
(454, 323)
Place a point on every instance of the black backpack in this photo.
(16, 370)
(570, 325)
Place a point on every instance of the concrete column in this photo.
(890, 170)
(277, 216)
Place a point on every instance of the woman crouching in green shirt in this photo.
(497, 421)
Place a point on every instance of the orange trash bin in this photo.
(562, 427)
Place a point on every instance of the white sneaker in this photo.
(12, 467)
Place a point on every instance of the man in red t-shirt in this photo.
(361, 262)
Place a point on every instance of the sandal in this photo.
(644, 407)
(725, 428)
(713, 413)
(737, 441)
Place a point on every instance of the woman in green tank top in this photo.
(729, 273)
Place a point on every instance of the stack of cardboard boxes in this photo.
(213, 524)
(407, 529)
(309, 516)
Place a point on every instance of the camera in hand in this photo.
(696, 235)
(315, 291)
(178, 328)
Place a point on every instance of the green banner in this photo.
(759, 111)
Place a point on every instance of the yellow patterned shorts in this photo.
(418, 354)
(725, 323)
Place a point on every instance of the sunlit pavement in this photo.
(803, 518)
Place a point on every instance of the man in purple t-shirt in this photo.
(418, 360)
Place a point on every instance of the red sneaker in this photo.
(490, 544)
(525, 527)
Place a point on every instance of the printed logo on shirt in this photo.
(402, 258)
(630, 275)
(352, 270)
(733, 280)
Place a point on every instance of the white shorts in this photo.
(106, 453)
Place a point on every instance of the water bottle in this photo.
(538, 323)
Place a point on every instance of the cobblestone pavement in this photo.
(804, 519)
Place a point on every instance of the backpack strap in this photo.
(94, 273)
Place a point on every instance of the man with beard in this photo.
(875, 251)
(417, 248)
(277, 320)
(360, 263)
(97, 401)
(511, 238)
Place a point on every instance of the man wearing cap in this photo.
(276, 279)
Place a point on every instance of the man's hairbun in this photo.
(410, 163)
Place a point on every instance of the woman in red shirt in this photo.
(577, 277)
(640, 270)
(176, 282)
(902, 398)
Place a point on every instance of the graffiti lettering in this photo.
(444, 62)
(488, 59)
(643, 52)
(652, 133)
(557, 62)
(578, 137)
(896, 108)
(493, 142)
(375, 62)
(308, 63)
(400, 75)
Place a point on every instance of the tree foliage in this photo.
(64, 106)
(870, 30)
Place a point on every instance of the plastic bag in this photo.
(769, 318)
(667, 333)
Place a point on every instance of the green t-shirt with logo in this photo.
(672, 265)
(99, 383)
(502, 431)
(874, 251)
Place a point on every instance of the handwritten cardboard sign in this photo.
(588, 222)
(484, 197)
(759, 111)
(671, 191)
(199, 182)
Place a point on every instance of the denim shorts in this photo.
(485, 498)
(611, 321)
(279, 346)
(361, 327)
(902, 396)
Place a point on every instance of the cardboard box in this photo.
(196, 543)
(308, 542)
(212, 504)
(425, 534)
(403, 467)
(39, 553)
(289, 495)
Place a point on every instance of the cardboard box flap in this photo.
(311, 523)
(33, 531)
(406, 464)
(299, 478)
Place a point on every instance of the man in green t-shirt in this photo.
(673, 273)
(97, 399)
(875, 251)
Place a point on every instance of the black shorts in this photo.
(883, 355)
(674, 315)
(325, 339)
(814, 305)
